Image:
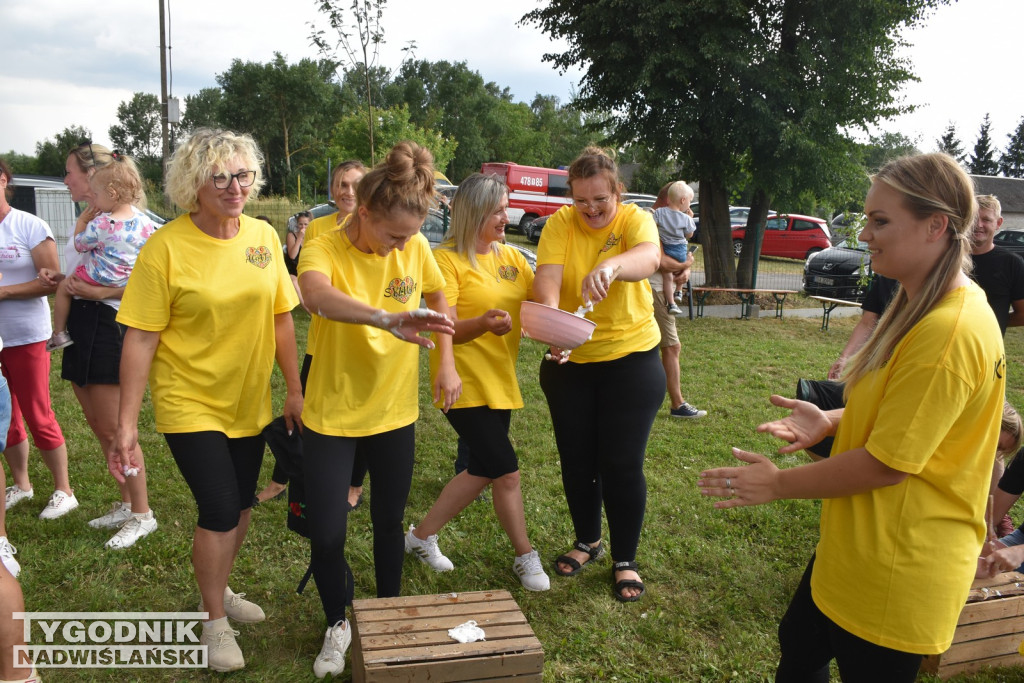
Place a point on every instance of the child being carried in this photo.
(109, 236)
(675, 226)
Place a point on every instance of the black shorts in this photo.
(485, 431)
(95, 357)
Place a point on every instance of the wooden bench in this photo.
(746, 296)
(828, 305)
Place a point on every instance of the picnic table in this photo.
(828, 305)
(746, 297)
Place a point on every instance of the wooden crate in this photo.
(406, 639)
(989, 631)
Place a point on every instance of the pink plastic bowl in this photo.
(554, 326)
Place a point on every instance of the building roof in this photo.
(1009, 191)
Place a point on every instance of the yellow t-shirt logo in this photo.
(508, 272)
(613, 239)
(401, 290)
(258, 256)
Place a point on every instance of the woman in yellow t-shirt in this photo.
(365, 282)
(604, 397)
(208, 309)
(903, 515)
(485, 283)
(344, 179)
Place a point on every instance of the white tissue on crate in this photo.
(466, 633)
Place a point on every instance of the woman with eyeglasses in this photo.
(93, 361)
(603, 397)
(208, 309)
(27, 245)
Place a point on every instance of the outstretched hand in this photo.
(805, 426)
(409, 325)
(752, 484)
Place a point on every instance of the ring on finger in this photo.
(728, 483)
(732, 492)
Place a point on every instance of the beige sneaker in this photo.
(222, 653)
(238, 608)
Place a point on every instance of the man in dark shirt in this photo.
(999, 272)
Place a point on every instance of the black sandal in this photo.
(595, 552)
(619, 586)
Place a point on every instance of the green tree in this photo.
(883, 148)
(202, 110)
(950, 144)
(1011, 164)
(51, 155)
(368, 36)
(983, 158)
(766, 85)
(454, 100)
(21, 164)
(568, 129)
(349, 139)
(138, 134)
(287, 108)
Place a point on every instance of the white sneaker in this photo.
(238, 608)
(120, 512)
(139, 524)
(530, 572)
(59, 505)
(222, 653)
(15, 495)
(7, 553)
(427, 551)
(331, 659)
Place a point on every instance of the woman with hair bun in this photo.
(603, 398)
(905, 491)
(365, 281)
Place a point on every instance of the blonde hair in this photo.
(1012, 425)
(678, 190)
(990, 202)
(120, 180)
(404, 181)
(477, 198)
(194, 160)
(930, 184)
(89, 156)
(594, 161)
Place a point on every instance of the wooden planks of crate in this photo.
(406, 639)
(989, 631)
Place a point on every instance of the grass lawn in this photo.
(717, 581)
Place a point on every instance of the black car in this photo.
(1011, 240)
(840, 272)
(534, 228)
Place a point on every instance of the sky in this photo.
(72, 63)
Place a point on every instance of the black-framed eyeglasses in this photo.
(223, 180)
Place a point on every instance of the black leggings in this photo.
(327, 462)
(602, 414)
(221, 472)
(280, 476)
(809, 640)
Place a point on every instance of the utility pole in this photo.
(164, 126)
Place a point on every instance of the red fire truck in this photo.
(532, 191)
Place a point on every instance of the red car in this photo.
(789, 236)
